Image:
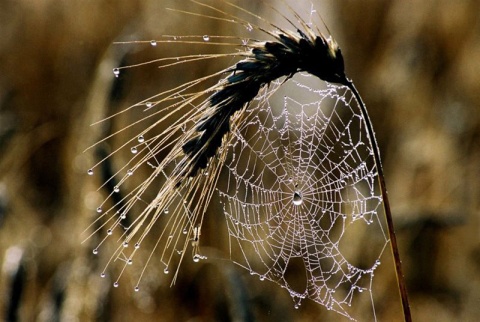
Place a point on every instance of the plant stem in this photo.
(386, 205)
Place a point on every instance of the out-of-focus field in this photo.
(415, 63)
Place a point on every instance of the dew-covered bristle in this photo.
(274, 141)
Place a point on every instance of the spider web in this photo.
(299, 188)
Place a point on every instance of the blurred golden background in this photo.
(416, 64)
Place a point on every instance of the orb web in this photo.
(299, 188)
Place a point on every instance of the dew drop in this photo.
(99, 209)
(102, 275)
(95, 251)
(166, 211)
(297, 306)
(297, 198)
(115, 284)
(130, 172)
(137, 288)
(153, 43)
(148, 104)
(109, 232)
(196, 258)
(165, 271)
(116, 72)
(90, 172)
(134, 150)
(130, 262)
(206, 37)
(185, 231)
(137, 245)
(262, 278)
(116, 189)
(141, 139)
(125, 244)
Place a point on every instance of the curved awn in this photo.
(293, 175)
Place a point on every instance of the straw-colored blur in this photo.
(415, 64)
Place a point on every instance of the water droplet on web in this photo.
(196, 258)
(249, 27)
(165, 271)
(297, 198)
(166, 211)
(115, 284)
(116, 72)
(130, 262)
(99, 209)
(109, 232)
(116, 189)
(137, 245)
(90, 172)
(102, 275)
(134, 150)
(125, 244)
(153, 42)
(206, 37)
(185, 231)
(141, 139)
(262, 277)
(148, 104)
(130, 172)
(95, 251)
(137, 289)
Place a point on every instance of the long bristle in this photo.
(193, 133)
